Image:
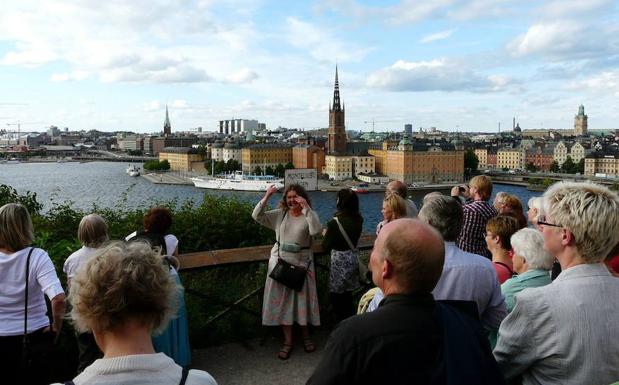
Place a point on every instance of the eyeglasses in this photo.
(541, 220)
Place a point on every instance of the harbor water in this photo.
(106, 184)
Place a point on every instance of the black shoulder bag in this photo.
(286, 273)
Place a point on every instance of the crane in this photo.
(18, 124)
(380, 121)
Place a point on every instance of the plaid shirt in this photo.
(472, 237)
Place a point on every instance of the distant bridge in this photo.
(107, 156)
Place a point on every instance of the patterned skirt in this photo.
(344, 273)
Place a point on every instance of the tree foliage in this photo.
(554, 166)
(530, 167)
(569, 167)
(155, 165)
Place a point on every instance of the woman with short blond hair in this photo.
(26, 274)
(394, 207)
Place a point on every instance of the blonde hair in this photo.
(124, 282)
(483, 184)
(397, 204)
(92, 231)
(590, 212)
(16, 230)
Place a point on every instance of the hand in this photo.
(455, 191)
(302, 202)
(271, 190)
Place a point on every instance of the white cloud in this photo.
(553, 37)
(571, 8)
(605, 82)
(322, 44)
(435, 75)
(244, 75)
(442, 35)
(70, 76)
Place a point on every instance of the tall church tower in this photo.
(337, 130)
(167, 127)
(580, 122)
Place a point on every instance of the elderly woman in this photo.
(535, 210)
(174, 340)
(530, 261)
(92, 234)
(26, 274)
(341, 237)
(394, 207)
(499, 231)
(294, 223)
(123, 295)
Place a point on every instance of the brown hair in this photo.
(158, 220)
(16, 230)
(92, 231)
(504, 227)
(300, 190)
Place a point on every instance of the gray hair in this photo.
(529, 244)
(92, 231)
(444, 214)
(431, 195)
(590, 212)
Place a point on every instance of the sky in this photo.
(458, 65)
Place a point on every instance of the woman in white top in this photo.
(123, 295)
(92, 234)
(19, 264)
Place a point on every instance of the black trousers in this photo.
(342, 305)
(36, 368)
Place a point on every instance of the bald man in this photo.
(410, 338)
(399, 188)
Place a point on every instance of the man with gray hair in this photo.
(399, 188)
(465, 276)
(565, 332)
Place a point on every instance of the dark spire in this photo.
(336, 93)
(167, 127)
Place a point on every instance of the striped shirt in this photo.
(472, 236)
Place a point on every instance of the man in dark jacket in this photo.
(410, 338)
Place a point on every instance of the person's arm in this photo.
(59, 306)
(496, 311)
(267, 219)
(310, 215)
(327, 240)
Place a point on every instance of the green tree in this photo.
(580, 167)
(164, 165)
(202, 150)
(232, 165)
(269, 170)
(530, 167)
(257, 170)
(471, 162)
(219, 167)
(554, 166)
(289, 166)
(569, 167)
(280, 170)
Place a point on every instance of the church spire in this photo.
(167, 127)
(336, 93)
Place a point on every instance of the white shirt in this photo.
(42, 279)
(171, 243)
(467, 277)
(151, 369)
(78, 259)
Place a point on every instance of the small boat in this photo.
(134, 173)
(359, 189)
(13, 161)
(133, 170)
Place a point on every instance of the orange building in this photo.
(308, 156)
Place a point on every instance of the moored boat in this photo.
(239, 182)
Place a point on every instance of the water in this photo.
(108, 185)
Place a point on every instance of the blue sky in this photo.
(454, 64)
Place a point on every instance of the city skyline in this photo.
(453, 64)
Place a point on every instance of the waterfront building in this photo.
(217, 151)
(308, 156)
(577, 152)
(167, 127)
(183, 159)
(159, 143)
(147, 144)
(602, 162)
(482, 157)
(541, 157)
(491, 160)
(338, 167)
(131, 143)
(510, 158)
(419, 162)
(560, 153)
(232, 151)
(265, 155)
(580, 122)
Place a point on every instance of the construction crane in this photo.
(18, 124)
(380, 121)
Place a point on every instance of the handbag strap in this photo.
(26, 301)
(184, 376)
(345, 235)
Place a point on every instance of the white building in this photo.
(237, 126)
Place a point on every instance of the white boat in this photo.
(239, 182)
(13, 161)
(133, 170)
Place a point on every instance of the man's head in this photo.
(481, 187)
(444, 214)
(396, 187)
(407, 258)
(582, 220)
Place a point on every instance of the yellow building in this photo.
(510, 158)
(420, 162)
(182, 158)
(599, 163)
(482, 156)
(363, 164)
(338, 167)
(265, 155)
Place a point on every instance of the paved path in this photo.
(237, 364)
